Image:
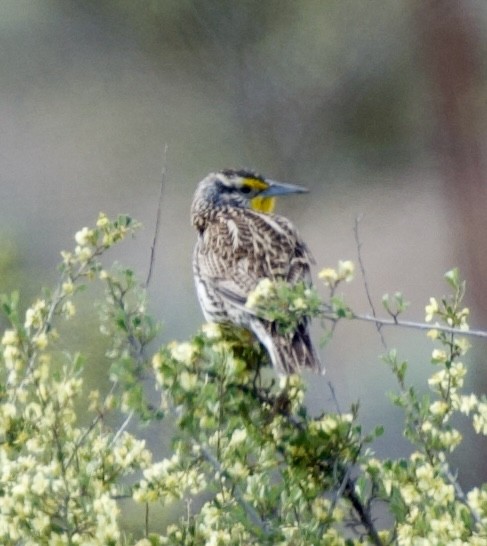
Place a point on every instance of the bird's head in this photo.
(240, 188)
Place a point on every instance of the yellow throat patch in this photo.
(260, 204)
(263, 204)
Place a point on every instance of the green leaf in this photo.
(397, 505)
(453, 278)
(361, 486)
(379, 430)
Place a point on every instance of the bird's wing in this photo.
(242, 247)
(296, 257)
(230, 290)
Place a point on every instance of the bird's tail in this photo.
(290, 352)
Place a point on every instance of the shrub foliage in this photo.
(262, 469)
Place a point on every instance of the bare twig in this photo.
(378, 325)
(146, 519)
(334, 397)
(339, 492)
(122, 428)
(381, 322)
(418, 325)
(158, 218)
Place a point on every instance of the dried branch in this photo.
(378, 325)
(417, 325)
(158, 218)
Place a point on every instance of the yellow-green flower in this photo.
(10, 337)
(68, 309)
(40, 341)
(346, 270)
(298, 303)
(439, 407)
(264, 289)
(84, 236)
(183, 352)
(467, 403)
(212, 330)
(439, 355)
(102, 221)
(431, 309)
(188, 381)
(432, 334)
(329, 276)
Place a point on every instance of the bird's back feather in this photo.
(236, 249)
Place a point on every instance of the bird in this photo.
(240, 242)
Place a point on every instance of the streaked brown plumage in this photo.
(239, 246)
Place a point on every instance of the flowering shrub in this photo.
(265, 471)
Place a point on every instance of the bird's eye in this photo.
(245, 189)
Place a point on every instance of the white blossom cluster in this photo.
(58, 479)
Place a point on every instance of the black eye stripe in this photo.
(245, 189)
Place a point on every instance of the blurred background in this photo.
(379, 108)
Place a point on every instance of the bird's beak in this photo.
(280, 188)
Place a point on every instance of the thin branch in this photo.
(339, 492)
(158, 218)
(122, 428)
(146, 519)
(362, 511)
(334, 397)
(380, 322)
(378, 325)
(418, 325)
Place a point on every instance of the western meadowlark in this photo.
(241, 242)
